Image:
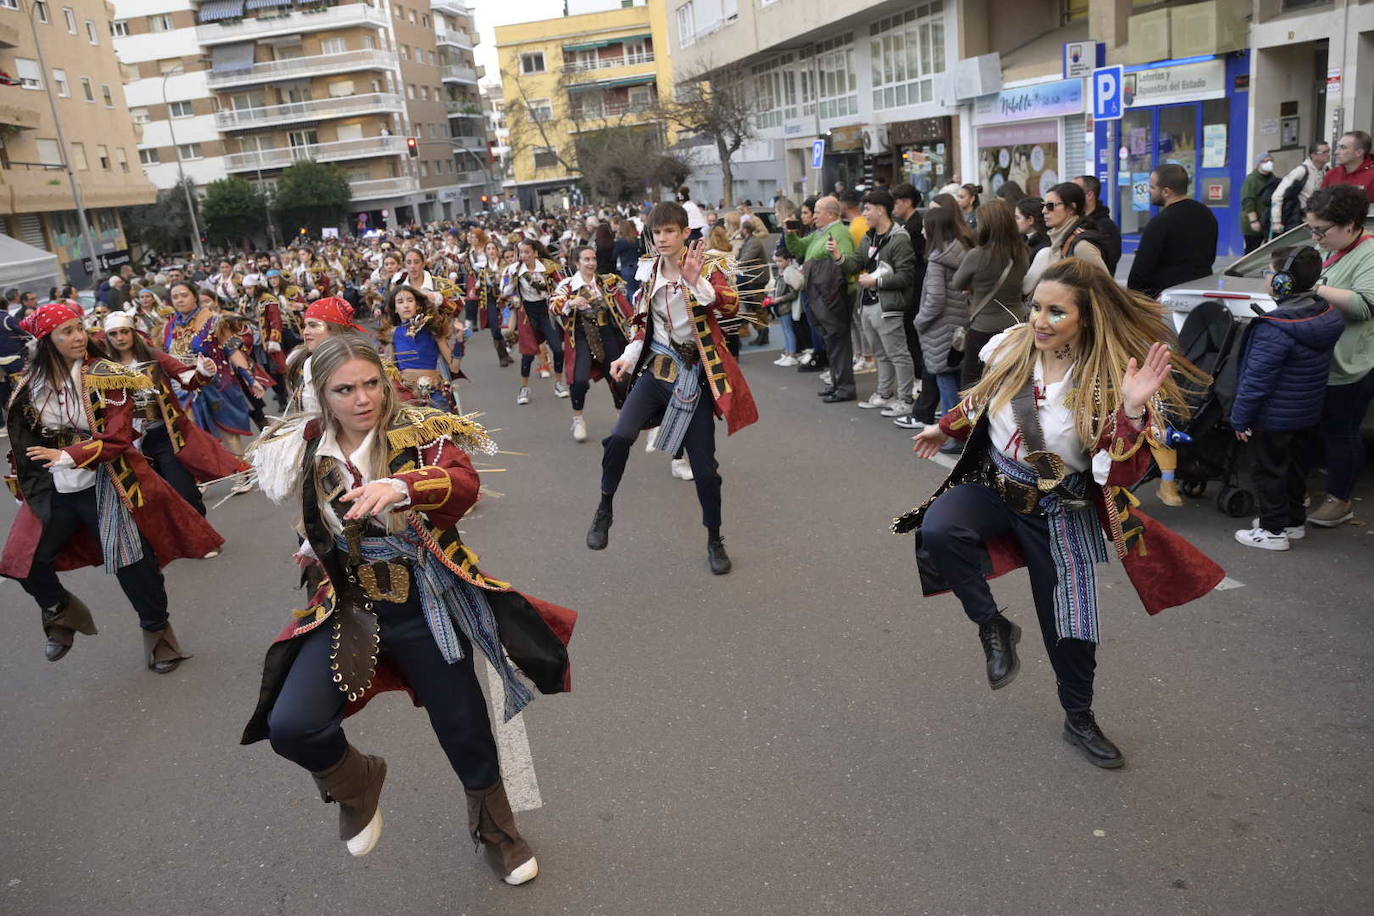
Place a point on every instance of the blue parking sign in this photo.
(817, 153)
(1108, 98)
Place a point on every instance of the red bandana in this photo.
(333, 310)
(49, 318)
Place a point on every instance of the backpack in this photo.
(1290, 212)
(1094, 237)
(1265, 203)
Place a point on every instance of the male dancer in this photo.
(682, 377)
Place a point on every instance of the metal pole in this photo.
(62, 143)
(181, 175)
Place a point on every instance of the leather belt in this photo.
(663, 368)
(1024, 500)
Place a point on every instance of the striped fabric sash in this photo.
(681, 406)
(1076, 544)
(446, 598)
(119, 538)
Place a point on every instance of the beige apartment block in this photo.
(82, 77)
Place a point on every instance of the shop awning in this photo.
(266, 4)
(231, 58)
(215, 10)
(604, 43)
(615, 84)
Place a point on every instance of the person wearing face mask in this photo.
(1054, 438)
(1256, 202)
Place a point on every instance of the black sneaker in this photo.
(716, 556)
(599, 534)
(1000, 636)
(1082, 731)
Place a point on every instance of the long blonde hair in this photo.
(328, 357)
(1117, 325)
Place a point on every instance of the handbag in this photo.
(960, 338)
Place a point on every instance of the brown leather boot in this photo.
(502, 353)
(355, 782)
(1168, 493)
(491, 823)
(62, 623)
(164, 652)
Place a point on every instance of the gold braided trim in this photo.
(1115, 449)
(104, 375)
(420, 426)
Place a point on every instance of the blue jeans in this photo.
(789, 334)
(948, 383)
(1342, 415)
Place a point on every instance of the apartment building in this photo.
(565, 79)
(82, 80)
(456, 37)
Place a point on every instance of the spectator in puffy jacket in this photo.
(1284, 365)
(944, 306)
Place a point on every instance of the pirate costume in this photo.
(1026, 491)
(683, 377)
(403, 605)
(99, 504)
(594, 336)
(483, 292)
(529, 288)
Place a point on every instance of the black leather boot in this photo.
(502, 353)
(599, 534)
(1082, 731)
(716, 556)
(1000, 636)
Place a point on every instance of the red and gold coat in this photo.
(618, 305)
(530, 338)
(197, 450)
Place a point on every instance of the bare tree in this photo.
(718, 109)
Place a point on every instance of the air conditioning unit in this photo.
(975, 76)
(875, 140)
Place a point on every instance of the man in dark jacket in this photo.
(1284, 364)
(1099, 215)
(905, 201)
(1179, 244)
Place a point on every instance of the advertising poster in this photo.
(1027, 154)
(1140, 192)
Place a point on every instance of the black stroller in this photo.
(1211, 339)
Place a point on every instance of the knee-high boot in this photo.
(492, 824)
(355, 782)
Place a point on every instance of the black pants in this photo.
(306, 723)
(971, 370)
(839, 346)
(956, 527)
(157, 448)
(141, 581)
(542, 322)
(913, 345)
(613, 346)
(1252, 242)
(648, 397)
(928, 403)
(1278, 477)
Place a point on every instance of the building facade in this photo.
(80, 76)
(564, 80)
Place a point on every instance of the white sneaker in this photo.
(649, 440)
(1264, 540)
(825, 377)
(916, 390)
(523, 397)
(365, 841)
(898, 408)
(1294, 532)
(805, 355)
(579, 429)
(865, 367)
(523, 874)
(560, 389)
(874, 401)
(682, 469)
(787, 361)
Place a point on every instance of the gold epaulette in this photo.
(417, 427)
(103, 375)
(611, 281)
(723, 263)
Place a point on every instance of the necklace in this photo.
(1064, 353)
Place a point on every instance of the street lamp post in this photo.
(62, 143)
(181, 175)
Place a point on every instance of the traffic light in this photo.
(485, 199)
(412, 147)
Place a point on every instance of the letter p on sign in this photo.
(1108, 101)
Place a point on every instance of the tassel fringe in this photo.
(419, 426)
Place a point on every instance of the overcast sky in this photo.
(491, 13)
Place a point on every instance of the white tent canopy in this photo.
(27, 268)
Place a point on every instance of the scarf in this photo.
(120, 542)
(677, 416)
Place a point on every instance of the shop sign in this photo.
(1044, 100)
(1182, 83)
(1333, 81)
(111, 260)
(1081, 58)
(925, 130)
(847, 138)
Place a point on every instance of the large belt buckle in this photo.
(385, 581)
(664, 368)
(1050, 470)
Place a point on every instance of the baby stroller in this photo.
(1211, 340)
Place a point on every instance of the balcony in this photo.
(600, 111)
(469, 141)
(608, 63)
(333, 17)
(361, 148)
(461, 108)
(9, 35)
(384, 187)
(316, 65)
(465, 40)
(18, 116)
(456, 74)
(452, 7)
(313, 110)
(471, 178)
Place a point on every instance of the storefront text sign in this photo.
(1184, 83)
(1028, 103)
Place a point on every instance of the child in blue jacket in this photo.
(1284, 364)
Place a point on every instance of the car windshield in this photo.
(1256, 262)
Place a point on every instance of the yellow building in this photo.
(565, 80)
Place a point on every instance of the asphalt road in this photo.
(806, 735)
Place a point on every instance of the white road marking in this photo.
(945, 461)
(513, 748)
(1226, 584)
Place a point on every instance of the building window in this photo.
(837, 82)
(410, 90)
(149, 157)
(102, 153)
(907, 50)
(424, 93)
(686, 25)
(405, 52)
(400, 11)
(119, 28)
(160, 23)
(180, 110)
(189, 150)
(419, 55)
(140, 115)
(541, 110)
(107, 95)
(334, 46)
(59, 79)
(91, 34)
(424, 19)
(38, 5)
(69, 15)
(412, 17)
(79, 157)
(424, 169)
(86, 89)
(122, 158)
(49, 153)
(544, 157)
(30, 77)
(532, 62)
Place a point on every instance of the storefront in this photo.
(1032, 135)
(844, 157)
(925, 154)
(1192, 113)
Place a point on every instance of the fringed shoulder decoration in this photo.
(104, 375)
(276, 457)
(418, 427)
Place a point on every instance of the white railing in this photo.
(459, 74)
(610, 110)
(241, 118)
(467, 40)
(315, 65)
(606, 63)
(473, 177)
(361, 148)
(218, 33)
(455, 7)
(384, 187)
(462, 108)
(469, 141)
